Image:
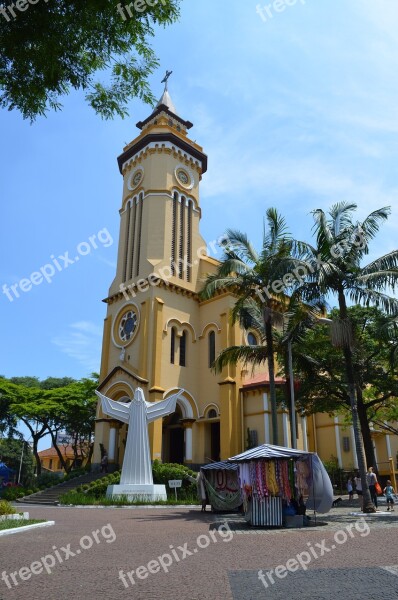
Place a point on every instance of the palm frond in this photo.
(249, 315)
(371, 225)
(254, 355)
(215, 284)
(322, 228)
(341, 214)
(369, 297)
(238, 242)
(277, 230)
(383, 263)
(380, 279)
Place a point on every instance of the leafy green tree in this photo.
(333, 267)
(69, 407)
(25, 404)
(73, 411)
(49, 48)
(320, 367)
(8, 422)
(11, 452)
(250, 275)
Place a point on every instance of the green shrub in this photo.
(12, 493)
(75, 498)
(6, 508)
(48, 480)
(77, 473)
(163, 472)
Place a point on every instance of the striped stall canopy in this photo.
(220, 466)
(270, 452)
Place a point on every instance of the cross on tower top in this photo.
(166, 79)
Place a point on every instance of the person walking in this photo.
(350, 488)
(104, 463)
(372, 480)
(389, 491)
(358, 486)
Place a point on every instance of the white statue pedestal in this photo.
(136, 480)
(137, 491)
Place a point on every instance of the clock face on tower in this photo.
(184, 177)
(135, 178)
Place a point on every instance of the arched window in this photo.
(172, 345)
(251, 339)
(212, 414)
(212, 348)
(183, 349)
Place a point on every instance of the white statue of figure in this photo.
(136, 477)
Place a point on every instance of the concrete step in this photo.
(50, 496)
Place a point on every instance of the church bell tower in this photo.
(153, 304)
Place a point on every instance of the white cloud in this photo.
(82, 342)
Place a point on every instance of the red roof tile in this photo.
(261, 379)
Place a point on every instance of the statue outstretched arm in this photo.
(112, 408)
(155, 410)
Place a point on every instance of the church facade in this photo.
(159, 335)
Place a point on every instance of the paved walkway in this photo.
(149, 554)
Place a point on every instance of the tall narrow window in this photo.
(141, 202)
(183, 349)
(212, 348)
(174, 235)
(181, 260)
(189, 242)
(133, 225)
(172, 345)
(251, 339)
(126, 251)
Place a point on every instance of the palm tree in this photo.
(334, 267)
(251, 277)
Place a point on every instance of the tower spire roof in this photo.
(165, 105)
(166, 100)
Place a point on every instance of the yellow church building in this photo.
(158, 334)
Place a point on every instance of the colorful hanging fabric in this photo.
(271, 478)
(303, 476)
(253, 482)
(286, 489)
(264, 478)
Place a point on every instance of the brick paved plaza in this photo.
(203, 562)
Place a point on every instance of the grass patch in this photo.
(9, 524)
(79, 498)
(6, 508)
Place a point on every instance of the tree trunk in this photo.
(271, 371)
(36, 455)
(90, 453)
(366, 435)
(58, 451)
(74, 446)
(367, 501)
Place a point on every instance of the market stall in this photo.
(222, 486)
(275, 481)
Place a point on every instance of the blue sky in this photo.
(297, 112)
